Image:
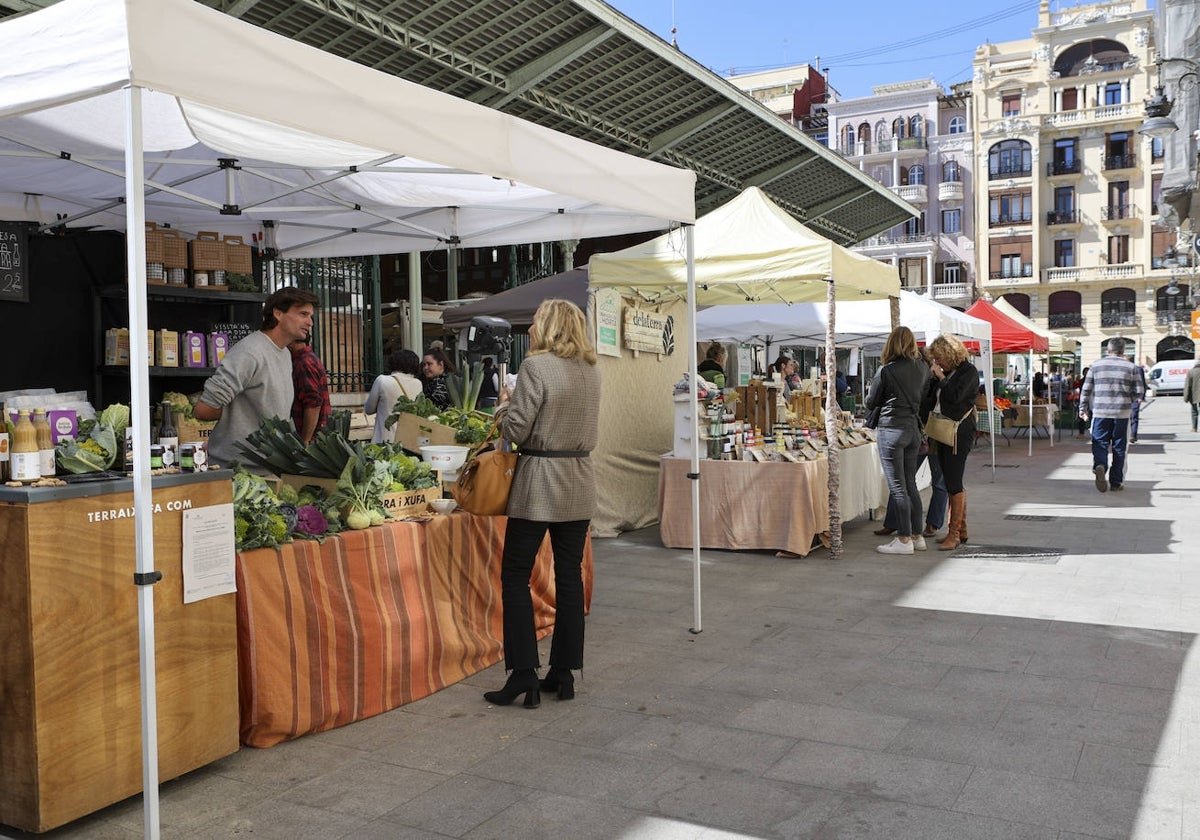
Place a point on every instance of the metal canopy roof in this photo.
(583, 68)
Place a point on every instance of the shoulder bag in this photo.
(943, 429)
(485, 480)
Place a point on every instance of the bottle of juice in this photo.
(45, 443)
(168, 436)
(25, 458)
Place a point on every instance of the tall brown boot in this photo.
(957, 507)
(962, 526)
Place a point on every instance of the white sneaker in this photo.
(918, 542)
(895, 547)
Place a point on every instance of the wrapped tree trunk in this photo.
(832, 411)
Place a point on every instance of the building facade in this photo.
(915, 139)
(1067, 204)
(798, 94)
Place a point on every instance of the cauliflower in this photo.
(310, 521)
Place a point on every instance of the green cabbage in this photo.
(95, 453)
(116, 417)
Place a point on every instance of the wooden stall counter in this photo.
(334, 632)
(70, 692)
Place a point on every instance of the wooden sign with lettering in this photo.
(649, 332)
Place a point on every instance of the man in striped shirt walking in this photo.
(1107, 396)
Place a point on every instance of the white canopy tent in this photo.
(112, 110)
(748, 251)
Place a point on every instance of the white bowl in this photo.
(443, 505)
(445, 458)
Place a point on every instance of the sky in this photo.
(864, 42)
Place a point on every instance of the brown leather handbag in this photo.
(485, 480)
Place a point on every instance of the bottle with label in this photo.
(168, 436)
(25, 458)
(45, 443)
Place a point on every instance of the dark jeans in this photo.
(939, 499)
(1110, 432)
(1133, 419)
(954, 464)
(1195, 414)
(522, 539)
(898, 448)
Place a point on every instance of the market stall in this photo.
(1009, 336)
(776, 505)
(334, 632)
(113, 112)
(749, 250)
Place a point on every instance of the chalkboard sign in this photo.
(14, 261)
(236, 332)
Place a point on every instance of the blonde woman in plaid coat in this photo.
(552, 417)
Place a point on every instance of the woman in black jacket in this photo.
(896, 391)
(954, 388)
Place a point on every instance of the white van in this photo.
(1168, 377)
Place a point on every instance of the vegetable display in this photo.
(470, 426)
(97, 443)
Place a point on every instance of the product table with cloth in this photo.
(334, 632)
(1045, 417)
(776, 505)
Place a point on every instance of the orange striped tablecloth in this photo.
(370, 620)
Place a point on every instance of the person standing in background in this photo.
(254, 380)
(1191, 392)
(310, 405)
(1109, 391)
(387, 388)
(489, 390)
(712, 369)
(896, 391)
(1135, 410)
(435, 366)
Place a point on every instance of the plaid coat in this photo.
(554, 407)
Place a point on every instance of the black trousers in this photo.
(522, 539)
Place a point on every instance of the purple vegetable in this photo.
(310, 520)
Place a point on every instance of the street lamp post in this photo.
(1158, 122)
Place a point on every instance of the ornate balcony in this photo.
(951, 291)
(1173, 316)
(1062, 217)
(1078, 274)
(1118, 319)
(1117, 212)
(1065, 320)
(1112, 162)
(913, 193)
(1011, 274)
(950, 191)
(1105, 113)
(1005, 219)
(1064, 167)
(1010, 172)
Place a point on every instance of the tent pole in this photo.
(689, 232)
(989, 394)
(832, 410)
(1029, 387)
(143, 494)
(416, 329)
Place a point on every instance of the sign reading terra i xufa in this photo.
(649, 332)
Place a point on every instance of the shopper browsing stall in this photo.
(553, 419)
(896, 391)
(953, 395)
(405, 366)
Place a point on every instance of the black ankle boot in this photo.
(560, 680)
(520, 681)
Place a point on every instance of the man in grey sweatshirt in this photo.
(1112, 386)
(254, 379)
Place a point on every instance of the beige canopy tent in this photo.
(748, 251)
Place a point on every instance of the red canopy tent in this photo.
(1010, 337)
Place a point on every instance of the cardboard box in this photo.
(218, 346)
(193, 349)
(166, 348)
(413, 432)
(116, 346)
(192, 430)
(64, 423)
